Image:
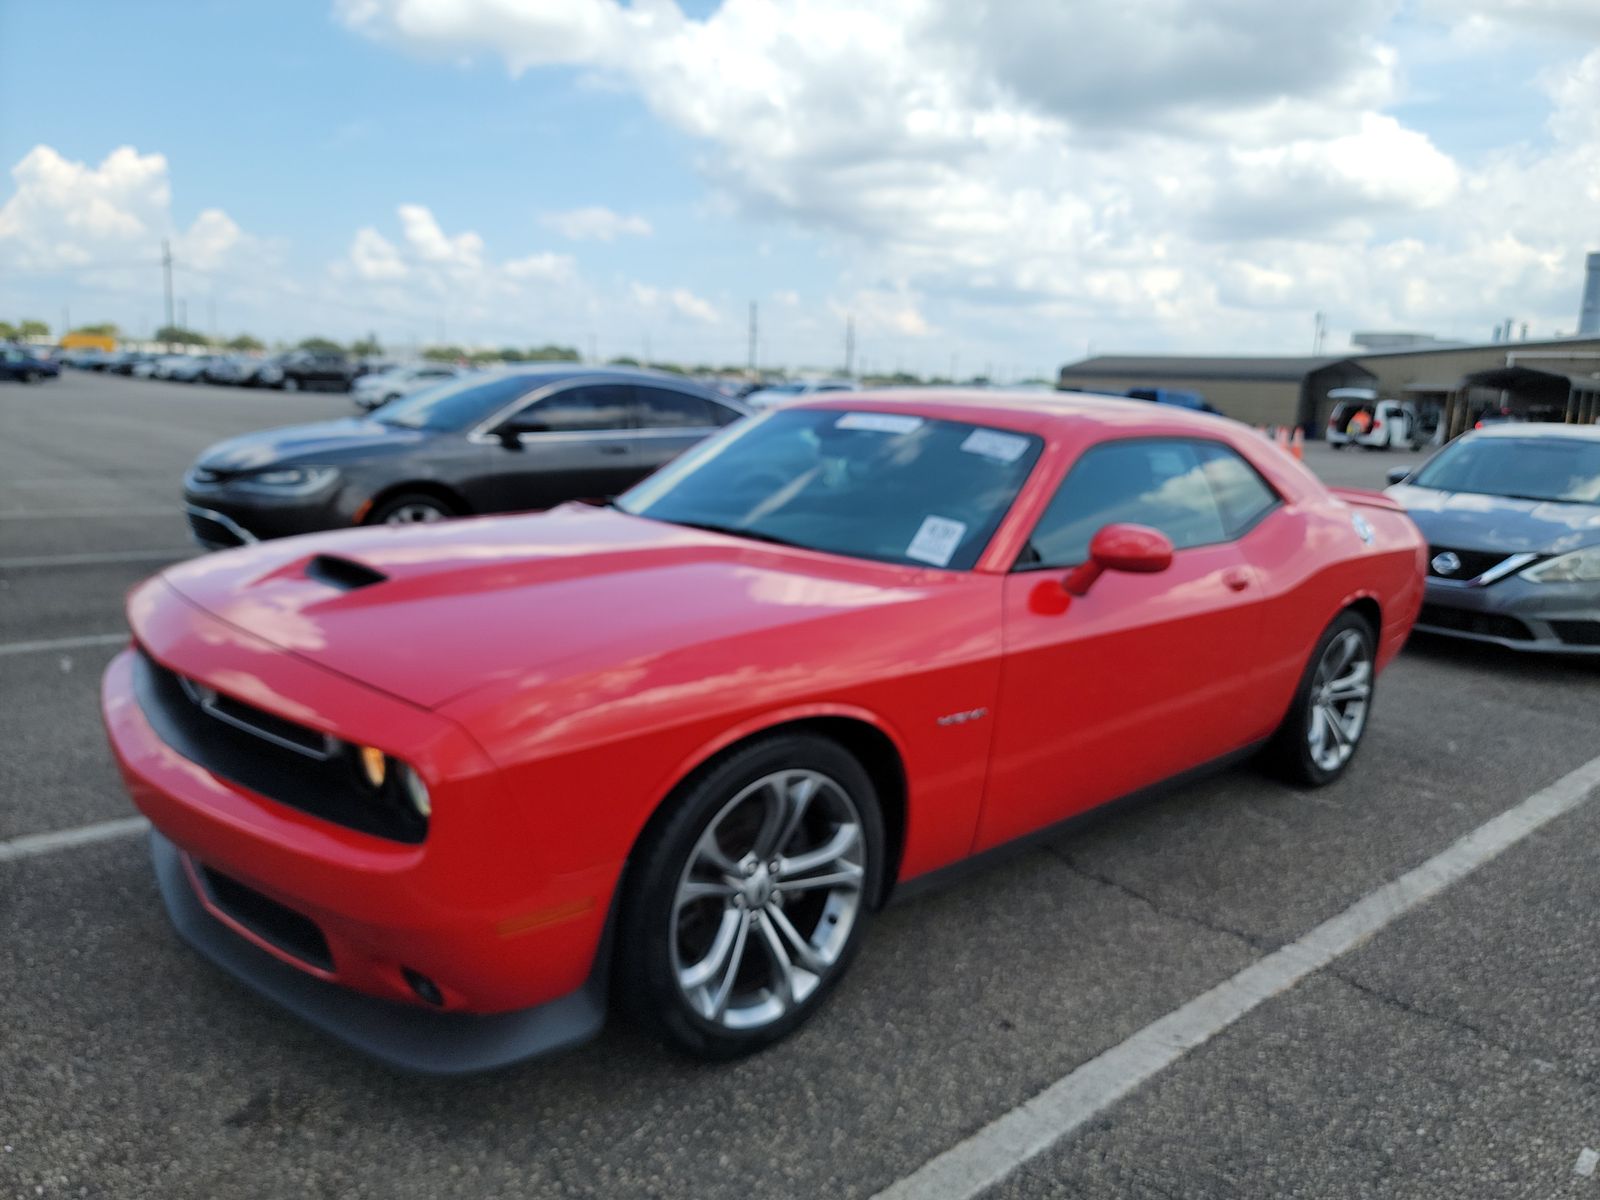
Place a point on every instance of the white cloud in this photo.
(66, 213)
(595, 224)
(374, 257)
(677, 301)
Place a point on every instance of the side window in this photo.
(1243, 497)
(662, 408)
(579, 410)
(721, 414)
(1146, 481)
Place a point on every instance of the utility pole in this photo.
(752, 337)
(166, 268)
(66, 320)
(1319, 328)
(849, 346)
(183, 314)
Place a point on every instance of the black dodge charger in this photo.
(508, 441)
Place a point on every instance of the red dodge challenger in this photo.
(446, 790)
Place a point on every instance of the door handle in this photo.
(1237, 579)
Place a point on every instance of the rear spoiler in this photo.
(1366, 498)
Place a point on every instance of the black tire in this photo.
(30, 377)
(389, 512)
(289, 384)
(652, 928)
(1290, 754)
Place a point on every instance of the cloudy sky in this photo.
(987, 184)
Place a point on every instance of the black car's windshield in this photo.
(1543, 468)
(881, 485)
(458, 404)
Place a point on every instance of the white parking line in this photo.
(1036, 1125)
(35, 844)
(96, 559)
(71, 643)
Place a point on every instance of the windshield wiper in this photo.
(733, 531)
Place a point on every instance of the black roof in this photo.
(1205, 366)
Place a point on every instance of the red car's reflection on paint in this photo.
(447, 790)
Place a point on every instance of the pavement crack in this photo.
(1547, 1062)
(1173, 914)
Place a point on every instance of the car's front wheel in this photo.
(1329, 713)
(290, 384)
(749, 898)
(412, 508)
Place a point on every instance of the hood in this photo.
(429, 612)
(1470, 521)
(320, 442)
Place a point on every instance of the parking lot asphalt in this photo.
(1453, 1054)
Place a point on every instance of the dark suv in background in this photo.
(307, 370)
(496, 441)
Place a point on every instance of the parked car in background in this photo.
(228, 368)
(797, 389)
(127, 361)
(86, 359)
(380, 387)
(191, 369)
(677, 751)
(1360, 418)
(166, 364)
(307, 370)
(493, 441)
(1512, 517)
(16, 363)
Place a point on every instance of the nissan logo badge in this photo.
(1446, 564)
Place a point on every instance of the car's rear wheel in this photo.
(749, 898)
(413, 508)
(1320, 736)
(290, 384)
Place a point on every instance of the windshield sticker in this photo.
(1002, 447)
(936, 541)
(879, 422)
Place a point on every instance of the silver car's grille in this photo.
(1479, 567)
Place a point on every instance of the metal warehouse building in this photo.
(1550, 380)
(1256, 390)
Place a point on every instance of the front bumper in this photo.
(402, 1035)
(1540, 618)
(511, 938)
(220, 517)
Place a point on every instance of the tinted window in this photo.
(1152, 482)
(1243, 497)
(579, 410)
(889, 486)
(660, 408)
(460, 404)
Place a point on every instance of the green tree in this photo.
(177, 335)
(624, 360)
(366, 347)
(32, 328)
(320, 345)
(103, 329)
(552, 354)
(245, 342)
(7, 331)
(444, 353)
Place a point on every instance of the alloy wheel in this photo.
(766, 902)
(1341, 690)
(414, 514)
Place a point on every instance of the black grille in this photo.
(327, 787)
(267, 919)
(1578, 633)
(1465, 621)
(1473, 562)
(212, 533)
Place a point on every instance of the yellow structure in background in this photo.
(88, 341)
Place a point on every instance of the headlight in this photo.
(289, 479)
(1581, 566)
(391, 782)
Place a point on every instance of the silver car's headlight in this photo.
(289, 480)
(1581, 566)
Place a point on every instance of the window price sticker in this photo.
(936, 541)
(879, 422)
(991, 443)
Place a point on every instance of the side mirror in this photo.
(1137, 549)
(511, 432)
(1399, 474)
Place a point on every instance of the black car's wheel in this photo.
(290, 384)
(748, 899)
(30, 376)
(412, 508)
(1322, 732)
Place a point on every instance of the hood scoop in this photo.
(343, 573)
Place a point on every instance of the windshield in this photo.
(887, 486)
(1550, 468)
(459, 403)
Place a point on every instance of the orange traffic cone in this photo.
(1297, 445)
(1283, 438)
